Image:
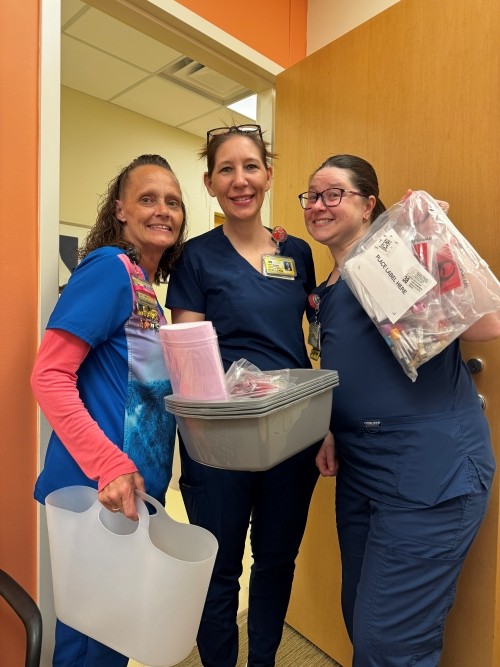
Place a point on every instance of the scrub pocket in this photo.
(410, 460)
(412, 561)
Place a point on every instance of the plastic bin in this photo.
(261, 439)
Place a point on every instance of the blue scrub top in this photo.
(122, 381)
(256, 317)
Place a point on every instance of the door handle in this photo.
(475, 365)
(482, 401)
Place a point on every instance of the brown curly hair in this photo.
(108, 231)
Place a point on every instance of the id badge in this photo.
(314, 334)
(277, 266)
(314, 340)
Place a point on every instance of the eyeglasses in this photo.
(330, 197)
(245, 129)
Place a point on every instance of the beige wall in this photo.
(99, 138)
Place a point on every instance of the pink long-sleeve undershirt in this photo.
(54, 384)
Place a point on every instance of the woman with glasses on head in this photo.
(413, 460)
(101, 358)
(232, 276)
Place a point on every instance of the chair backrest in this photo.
(27, 610)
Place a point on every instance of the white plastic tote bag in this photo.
(138, 587)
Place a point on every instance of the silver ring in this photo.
(115, 509)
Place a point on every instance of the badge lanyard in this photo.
(145, 301)
(277, 265)
(314, 337)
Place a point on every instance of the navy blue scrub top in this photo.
(398, 440)
(256, 317)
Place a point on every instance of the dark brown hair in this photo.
(108, 230)
(362, 175)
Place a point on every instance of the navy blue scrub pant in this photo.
(275, 503)
(400, 567)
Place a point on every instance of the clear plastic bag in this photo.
(419, 280)
(245, 380)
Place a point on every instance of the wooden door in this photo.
(415, 91)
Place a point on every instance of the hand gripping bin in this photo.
(137, 587)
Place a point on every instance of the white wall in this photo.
(329, 19)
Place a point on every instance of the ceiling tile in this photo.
(105, 58)
(93, 72)
(118, 39)
(165, 102)
(69, 8)
(219, 118)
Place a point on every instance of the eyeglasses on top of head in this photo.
(244, 129)
(330, 197)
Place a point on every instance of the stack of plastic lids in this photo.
(306, 382)
(257, 433)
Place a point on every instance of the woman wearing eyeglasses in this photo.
(413, 460)
(231, 276)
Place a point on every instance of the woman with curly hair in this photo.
(100, 377)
